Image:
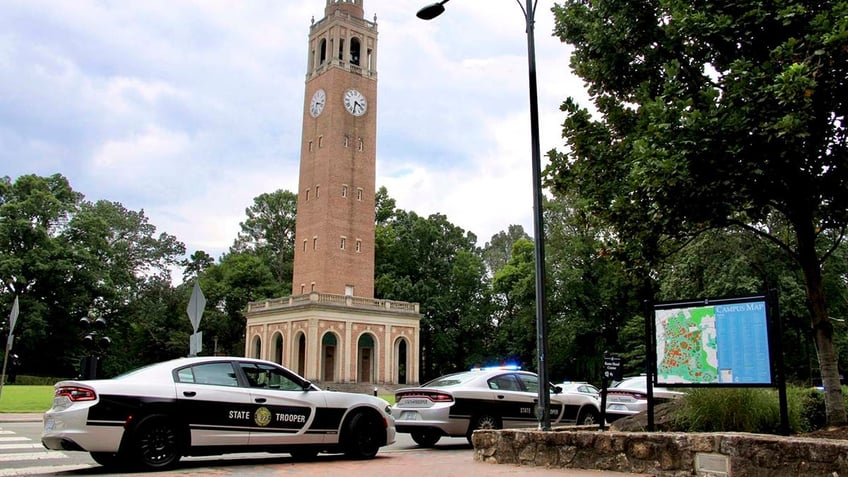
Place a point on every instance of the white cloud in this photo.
(190, 109)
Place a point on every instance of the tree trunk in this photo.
(822, 328)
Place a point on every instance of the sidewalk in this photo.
(20, 416)
(387, 463)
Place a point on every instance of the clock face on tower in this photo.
(317, 103)
(355, 102)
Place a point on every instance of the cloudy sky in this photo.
(188, 109)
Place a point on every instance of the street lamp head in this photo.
(432, 11)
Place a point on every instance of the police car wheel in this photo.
(426, 437)
(107, 459)
(486, 421)
(362, 440)
(156, 443)
(588, 416)
(483, 421)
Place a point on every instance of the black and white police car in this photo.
(151, 417)
(457, 404)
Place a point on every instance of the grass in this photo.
(21, 398)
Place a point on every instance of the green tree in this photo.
(229, 286)
(36, 267)
(196, 264)
(437, 264)
(268, 231)
(67, 258)
(497, 251)
(514, 286)
(384, 206)
(115, 251)
(711, 114)
(591, 295)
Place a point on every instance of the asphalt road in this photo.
(451, 457)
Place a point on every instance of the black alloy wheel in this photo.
(156, 443)
(363, 437)
(426, 437)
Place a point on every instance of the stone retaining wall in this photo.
(666, 453)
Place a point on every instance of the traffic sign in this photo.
(13, 317)
(612, 368)
(196, 304)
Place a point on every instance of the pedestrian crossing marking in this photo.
(33, 456)
(53, 469)
(22, 445)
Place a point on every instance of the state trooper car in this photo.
(457, 404)
(151, 417)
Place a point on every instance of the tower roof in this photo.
(351, 7)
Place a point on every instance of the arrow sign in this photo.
(196, 304)
(13, 317)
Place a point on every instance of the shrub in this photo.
(729, 410)
(806, 408)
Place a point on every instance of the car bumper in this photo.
(617, 411)
(69, 430)
(408, 420)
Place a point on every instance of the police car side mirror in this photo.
(306, 385)
(557, 389)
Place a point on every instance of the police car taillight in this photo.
(432, 396)
(76, 393)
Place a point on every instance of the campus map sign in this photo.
(713, 342)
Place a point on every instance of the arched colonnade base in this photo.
(337, 339)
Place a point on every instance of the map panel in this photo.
(713, 344)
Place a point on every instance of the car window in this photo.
(270, 377)
(451, 380)
(504, 382)
(220, 374)
(531, 382)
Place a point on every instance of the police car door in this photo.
(284, 406)
(516, 407)
(217, 410)
(530, 385)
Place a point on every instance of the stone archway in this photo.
(366, 358)
(256, 346)
(277, 348)
(329, 352)
(401, 364)
(300, 354)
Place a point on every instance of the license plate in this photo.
(617, 407)
(414, 403)
(408, 416)
(49, 425)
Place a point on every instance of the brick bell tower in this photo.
(332, 329)
(334, 230)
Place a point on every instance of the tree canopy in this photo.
(709, 115)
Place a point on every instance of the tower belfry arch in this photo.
(318, 328)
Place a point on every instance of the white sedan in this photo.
(457, 404)
(151, 417)
(630, 396)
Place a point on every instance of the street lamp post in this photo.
(544, 404)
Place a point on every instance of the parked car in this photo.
(457, 404)
(150, 417)
(630, 396)
(580, 387)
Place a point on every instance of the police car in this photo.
(151, 417)
(457, 404)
